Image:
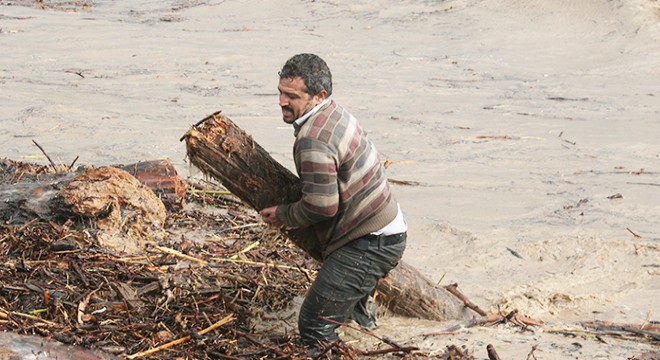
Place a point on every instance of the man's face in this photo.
(294, 101)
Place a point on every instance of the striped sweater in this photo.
(345, 190)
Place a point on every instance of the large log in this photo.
(219, 148)
(119, 211)
(158, 175)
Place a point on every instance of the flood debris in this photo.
(195, 293)
(199, 291)
(202, 290)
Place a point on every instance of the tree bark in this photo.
(161, 177)
(219, 148)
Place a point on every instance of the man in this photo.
(345, 197)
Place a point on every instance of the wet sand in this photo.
(530, 127)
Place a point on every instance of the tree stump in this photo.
(219, 148)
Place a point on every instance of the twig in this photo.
(515, 253)
(404, 349)
(31, 317)
(395, 347)
(246, 249)
(240, 227)
(529, 321)
(531, 353)
(491, 319)
(79, 73)
(73, 162)
(441, 278)
(492, 354)
(257, 342)
(181, 255)
(647, 320)
(453, 289)
(328, 348)
(634, 234)
(642, 183)
(626, 331)
(52, 163)
(255, 263)
(182, 340)
(208, 192)
(516, 319)
(651, 331)
(62, 164)
(502, 137)
(404, 182)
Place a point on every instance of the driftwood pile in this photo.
(200, 289)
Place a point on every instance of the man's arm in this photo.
(320, 193)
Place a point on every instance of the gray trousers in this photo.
(344, 285)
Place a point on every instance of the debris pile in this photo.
(209, 288)
(57, 282)
(206, 287)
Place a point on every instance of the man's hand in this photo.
(269, 216)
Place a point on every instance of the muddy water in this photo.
(531, 127)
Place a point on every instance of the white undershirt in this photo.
(301, 120)
(396, 226)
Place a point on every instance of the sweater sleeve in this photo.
(317, 168)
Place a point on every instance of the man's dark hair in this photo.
(312, 69)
